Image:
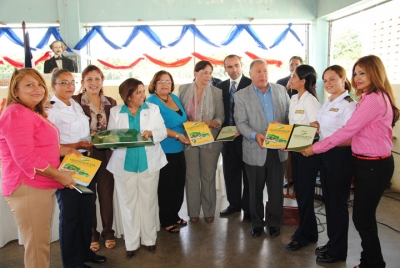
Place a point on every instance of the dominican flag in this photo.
(29, 62)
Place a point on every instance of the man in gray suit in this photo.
(255, 107)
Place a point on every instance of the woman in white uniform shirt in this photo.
(303, 109)
(76, 209)
(337, 164)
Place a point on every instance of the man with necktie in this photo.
(233, 165)
(58, 60)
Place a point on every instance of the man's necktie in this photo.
(58, 58)
(233, 90)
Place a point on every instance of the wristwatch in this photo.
(177, 135)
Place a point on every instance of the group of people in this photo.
(354, 140)
(150, 180)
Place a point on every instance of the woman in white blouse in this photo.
(76, 210)
(303, 109)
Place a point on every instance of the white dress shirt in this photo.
(334, 115)
(71, 121)
(237, 80)
(304, 110)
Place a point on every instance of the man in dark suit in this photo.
(233, 164)
(215, 81)
(58, 60)
(255, 107)
(293, 63)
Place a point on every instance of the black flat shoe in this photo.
(293, 246)
(130, 254)
(322, 249)
(256, 231)
(151, 248)
(329, 259)
(98, 259)
(246, 216)
(274, 231)
(228, 211)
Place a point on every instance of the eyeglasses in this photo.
(168, 82)
(98, 124)
(65, 83)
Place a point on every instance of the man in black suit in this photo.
(58, 60)
(233, 164)
(293, 63)
(215, 81)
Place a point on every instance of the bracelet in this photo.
(177, 135)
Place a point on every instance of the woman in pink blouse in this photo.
(370, 129)
(30, 154)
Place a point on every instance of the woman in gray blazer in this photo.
(202, 102)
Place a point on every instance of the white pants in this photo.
(137, 196)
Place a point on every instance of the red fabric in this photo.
(18, 64)
(278, 63)
(213, 61)
(133, 64)
(177, 63)
(46, 56)
(14, 63)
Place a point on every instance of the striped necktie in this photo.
(231, 99)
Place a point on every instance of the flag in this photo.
(29, 62)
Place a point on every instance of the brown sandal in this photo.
(172, 229)
(181, 222)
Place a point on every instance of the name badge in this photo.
(299, 111)
(334, 110)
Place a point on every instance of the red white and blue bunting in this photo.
(235, 31)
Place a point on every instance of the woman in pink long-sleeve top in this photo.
(30, 154)
(370, 131)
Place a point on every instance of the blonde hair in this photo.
(16, 78)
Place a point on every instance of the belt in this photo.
(363, 157)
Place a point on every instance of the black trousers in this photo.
(171, 186)
(336, 173)
(270, 174)
(304, 174)
(103, 187)
(370, 180)
(76, 212)
(234, 174)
